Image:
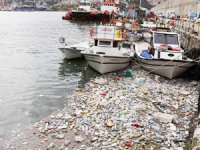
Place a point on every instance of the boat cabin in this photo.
(110, 6)
(108, 38)
(85, 5)
(166, 45)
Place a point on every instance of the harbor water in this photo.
(34, 78)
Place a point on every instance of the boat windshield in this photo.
(166, 38)
(104, 43)
(84, 4)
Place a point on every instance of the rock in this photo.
(51, 146)
(60, 136)
(145, 92)
(197, 133)
(66, 117)
(61, 147)
(135, 134)
(78, 139)
(172, 127)
(165, 118)
(109, 123)
(63, 127)
(67, 142)
(185, 93)
(25, 143)
(77, 112)
(58, 116)
(94, 139)
(100, 81)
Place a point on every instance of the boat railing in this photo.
(106, 32)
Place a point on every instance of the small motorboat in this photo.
(74, 51)
(167, 58)
(110, 51)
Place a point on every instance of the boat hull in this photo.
(69, 53)
(105, 64)
(166, 68)
(87, 16)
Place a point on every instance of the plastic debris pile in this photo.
(127, 110)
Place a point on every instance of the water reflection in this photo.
(76, 67)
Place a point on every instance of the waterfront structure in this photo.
(179, 7)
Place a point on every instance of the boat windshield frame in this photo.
(165, 38)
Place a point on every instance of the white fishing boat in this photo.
(167, 58)
(74, 51)
(110, 51)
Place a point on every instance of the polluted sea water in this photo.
(124, 110)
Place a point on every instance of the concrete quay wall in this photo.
(180, 7)
(189, 42)
(190, 33)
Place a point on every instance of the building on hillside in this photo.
(70, 2)
(155, 2)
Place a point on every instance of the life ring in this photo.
(62, 40)
(91, 31)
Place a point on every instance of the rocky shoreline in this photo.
(125, 110)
